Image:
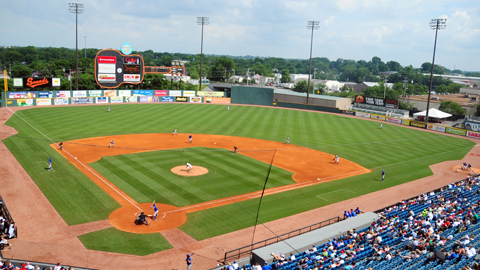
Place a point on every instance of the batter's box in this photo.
(330, 194)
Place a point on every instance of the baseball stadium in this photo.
(92, 206)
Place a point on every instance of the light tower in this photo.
(77, 9)
(201, 21)
(314, 25)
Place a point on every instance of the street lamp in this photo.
(314, 25)
(77, 9)
(202, 21)
(435, 24)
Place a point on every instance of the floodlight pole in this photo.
(77, 9)
(202, 21)
(314, 25)
(435, 24)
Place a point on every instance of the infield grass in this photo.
(404, 153)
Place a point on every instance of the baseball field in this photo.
(92, 182)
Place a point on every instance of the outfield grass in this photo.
(404, 153)
(147, 176)
(113, 240)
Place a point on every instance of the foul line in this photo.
(81, 163)
(320, 196)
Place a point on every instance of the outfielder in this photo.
(287, 141)
(174, 132)
(189, 166)
(156, 210)
(50, 164)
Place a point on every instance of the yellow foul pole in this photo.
(5, 82)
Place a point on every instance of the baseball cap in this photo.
(188, 255)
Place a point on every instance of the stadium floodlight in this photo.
(435, 24)
(202, 21)
(314, 25)
(77, 9)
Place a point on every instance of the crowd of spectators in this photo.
(436, 230)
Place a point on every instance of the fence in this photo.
(246, 250)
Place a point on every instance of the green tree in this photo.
(301, 86)
(320, 89)
(451, 107)
(285, 76)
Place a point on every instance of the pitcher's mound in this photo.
(195, 171)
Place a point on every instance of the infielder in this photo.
(174, 132)
(190, 138)
(61, 145)
(156, 211)
(112, 144)
(287, 141)
(189, 166)
(235, 149)
(337, 159)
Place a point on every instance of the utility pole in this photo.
(314, 25)
(201, 21)
(385, 88)
(77, 9)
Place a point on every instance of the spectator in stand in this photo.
(266, 267)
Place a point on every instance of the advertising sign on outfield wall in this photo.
(44, 101)
(17, 95)
(436, 127)
(473, 134)
(145, 99)
(83, 100)
(168, 99)
(406, 122)
(63, 94)
(377, 116)
(124, 93)
(188, 93)
(472, 126)
(418, 124)
(362, 114)
(456, 131)
(394, 120)
(102, 100)
(45, 94)
(210, 94)
(132, 99)
(110, 93)
(25, 102)
(143, 92)
(181, 99)
(175, 93)
(79, 93)
(95, 93)
(161, 92)
(217, 100)
(196, 99)
(61, 101)
(116, 99)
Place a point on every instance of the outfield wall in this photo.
(305, 106)
(252, 95)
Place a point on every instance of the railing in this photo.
(246, 250)
(6, 214)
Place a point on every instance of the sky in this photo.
(349, 29)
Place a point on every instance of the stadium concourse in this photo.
(46, 237)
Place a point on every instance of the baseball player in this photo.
(156, 211)
(109, 109)
(228, 108)
(189, 166)
(190, 138)
(383, 175)
(50, 164)
(112, 144)
(337, 159)
(288, 140)
(235, 149)
(61, 145)
(174, 132)
(381, 125)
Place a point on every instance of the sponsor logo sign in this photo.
(131, 60)
(161, 92)
(79, 93)
(63, 94)
(217, 100)
(391, 103)
(106, 68)
(126, 48)
(102, 100)
(83, 100)
(348, 112)
(188, 93)
(181, 99)
(196, 99)
(94, 93)
(362, 114)
(418, 124)
(131, 77)
(106, 77)
(143, 92)
(393, 120)
(472, 126)
(131, 69)
(109, 93)
(210, 94)
(473, 134)
(45, 94)
(34, 82)
(132, 99)
(44, 101)
(168, 99)
(124, 93)
(25, 102)
(377, 116)
(61, 101)
(17, 82)
(116, 99)
(145, 98)
(107, 60)
(406, 122)
(17, 95)
(456, 131)
(436, 127)
(55, 82)
(175, 93)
